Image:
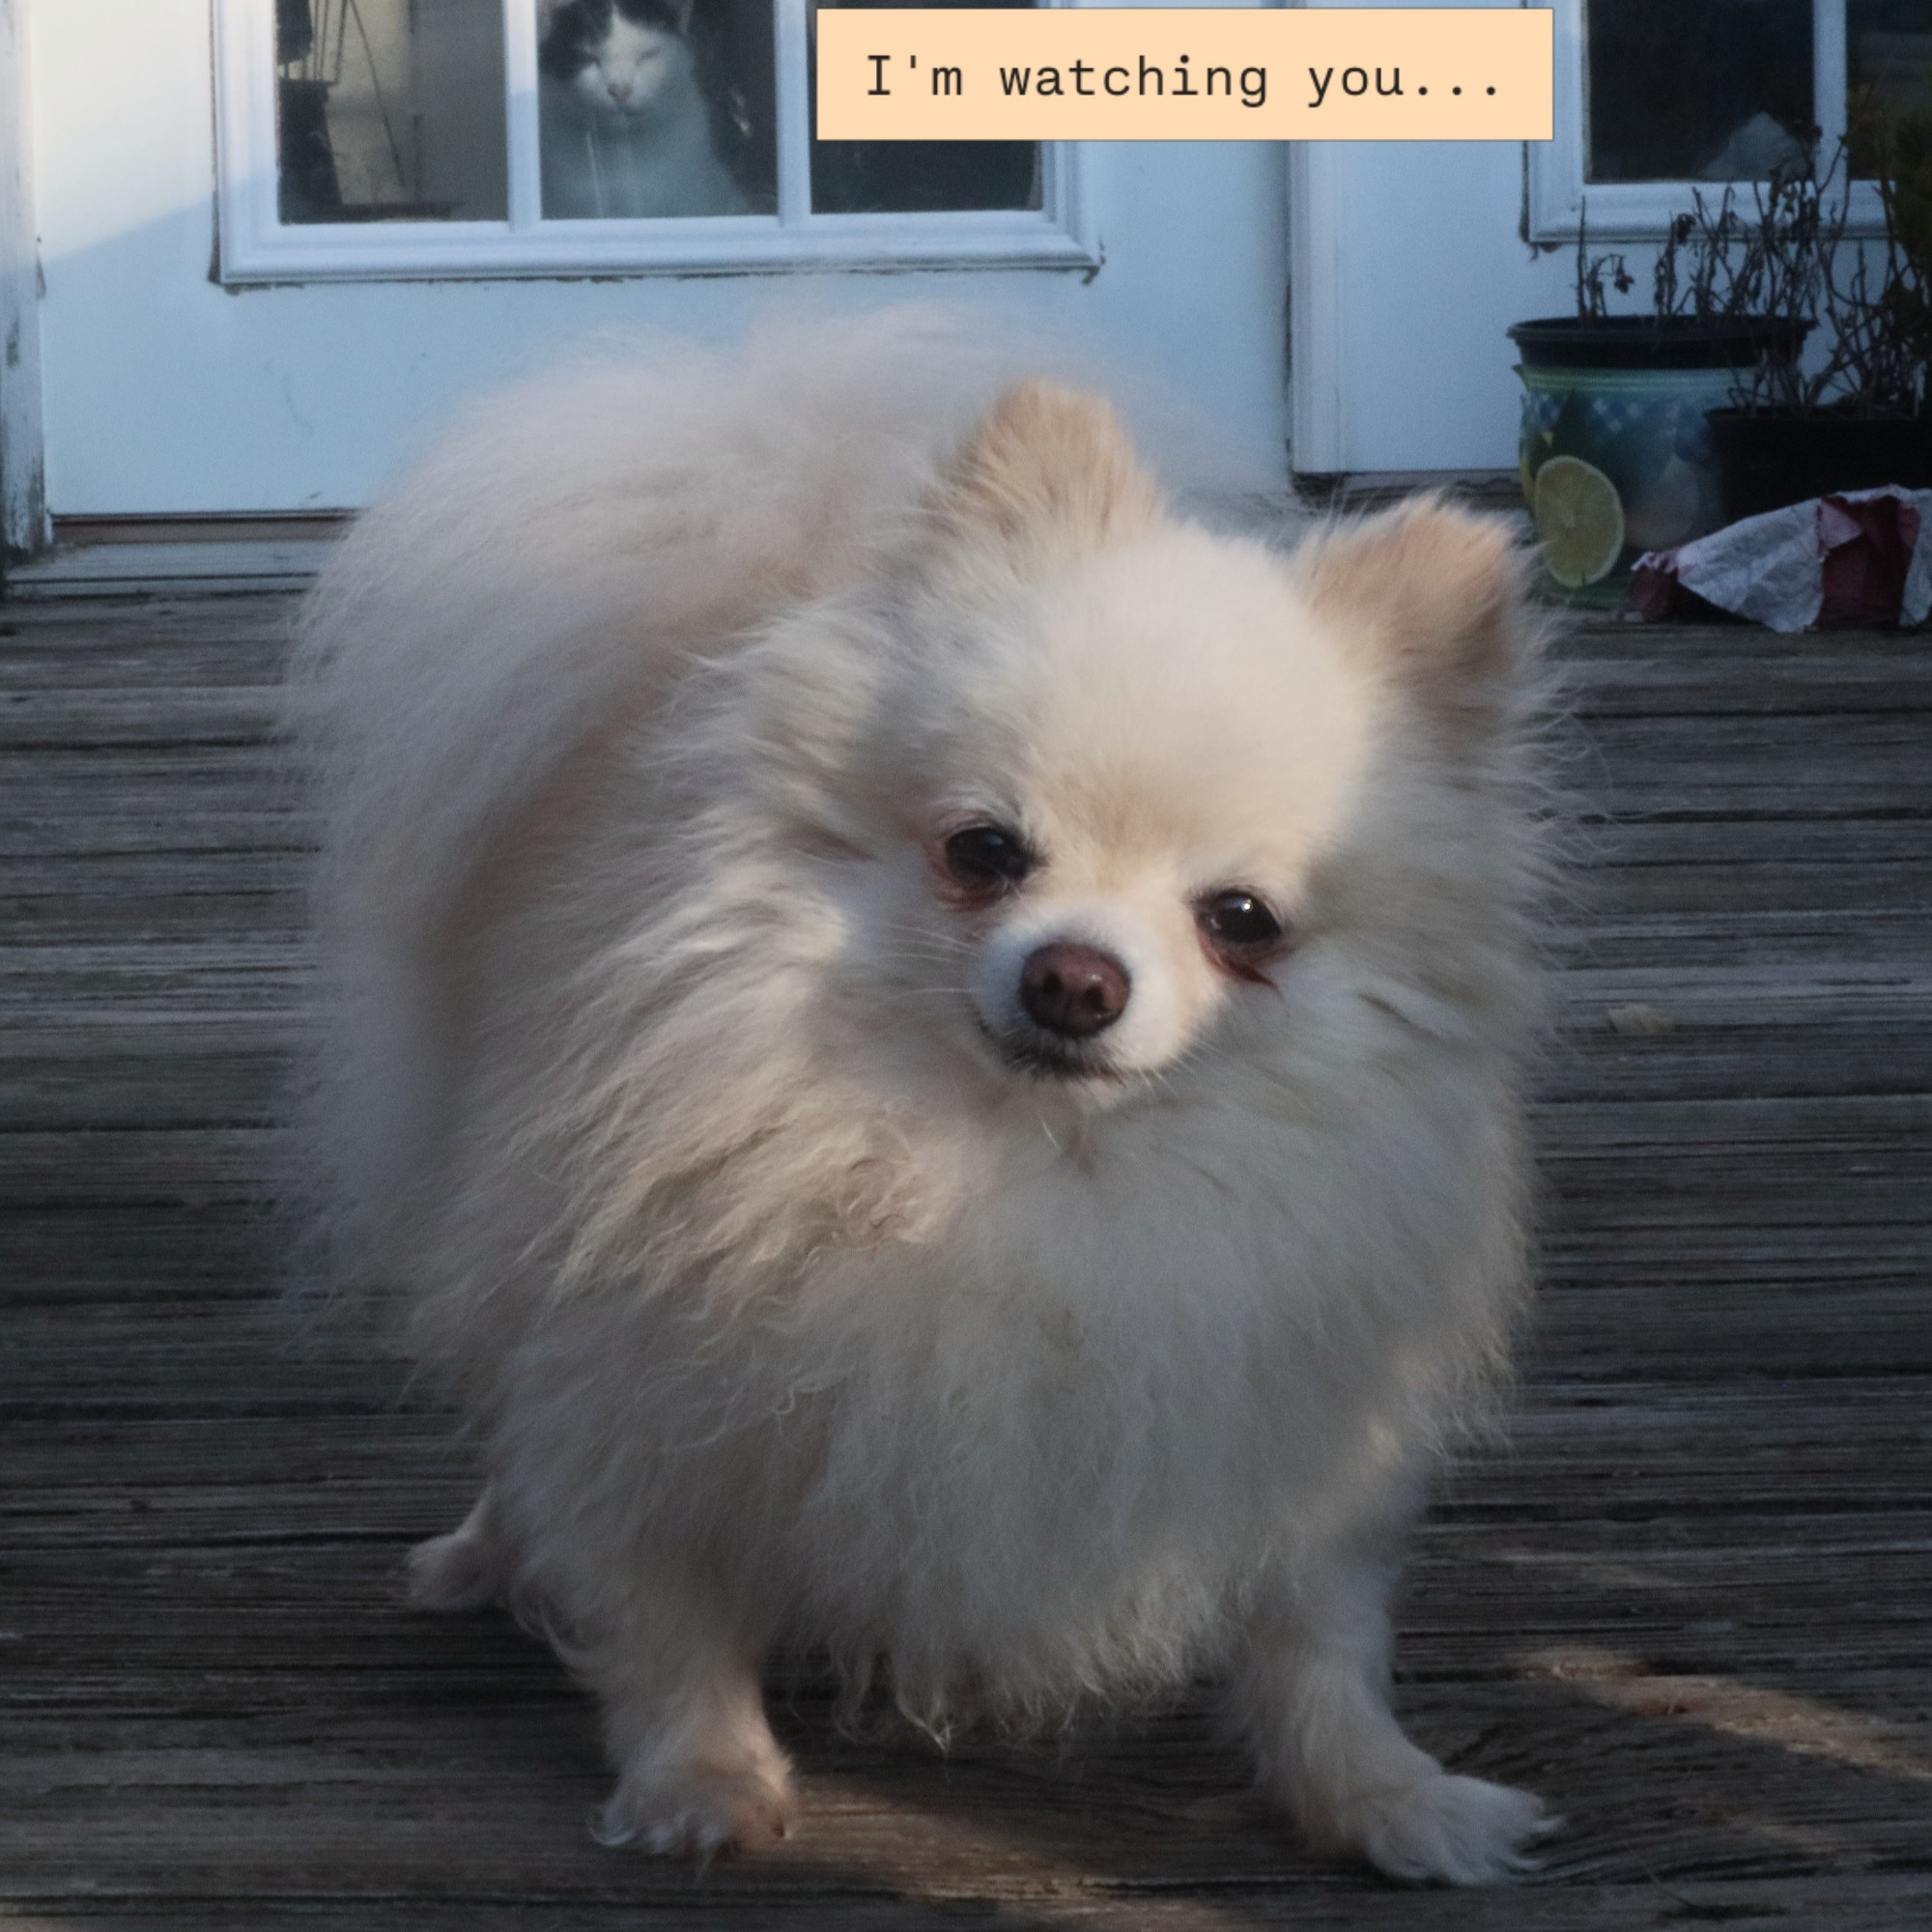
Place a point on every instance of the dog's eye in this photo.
(987, 856)
(1239, 921)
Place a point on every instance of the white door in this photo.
(281, 239)
(1411, 258)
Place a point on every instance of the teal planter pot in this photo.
(1642, 471)
(1616, 455)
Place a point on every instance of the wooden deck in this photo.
(1690, 1602)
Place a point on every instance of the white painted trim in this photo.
(23, 509)
(1316, 323)
(1643, 211)
(706, 245)
(522, 141)
(256, 247)
(791, 109)
(1830, 71)
(1557, 165)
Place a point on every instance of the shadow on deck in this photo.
(1690, 1602)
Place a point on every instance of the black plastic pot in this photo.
(1650, 342)
(1768, 458)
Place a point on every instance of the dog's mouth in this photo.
(1041, 1057)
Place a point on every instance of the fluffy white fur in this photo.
(694, 1106)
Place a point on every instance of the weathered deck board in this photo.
(1689, 1598)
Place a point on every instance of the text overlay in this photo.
(1172, 74)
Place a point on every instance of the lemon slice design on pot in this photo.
(1580, 522)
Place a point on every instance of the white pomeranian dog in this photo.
(936, 1049)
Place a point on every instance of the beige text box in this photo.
(1181, 74)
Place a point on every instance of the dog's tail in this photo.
(566, 551)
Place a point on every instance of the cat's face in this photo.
(617, 55)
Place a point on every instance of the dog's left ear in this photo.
(1048, 469)
(1440, 593)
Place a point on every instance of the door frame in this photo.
(23, 505)
(1317, 329)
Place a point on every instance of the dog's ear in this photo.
(1048, 469)
(1442, 595)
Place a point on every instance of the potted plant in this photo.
(1858, 416)
(1616, 452)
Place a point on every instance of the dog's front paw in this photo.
(700, 1808)
(1454, 1831)
(461, 1571)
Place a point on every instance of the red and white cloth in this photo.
(1863, 559)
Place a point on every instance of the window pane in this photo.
(1889, 44)
(868, 177)
(1719, 90)
(391, 110)
(656, 107)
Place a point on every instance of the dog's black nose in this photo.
(1073, 990)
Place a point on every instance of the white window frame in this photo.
(256, 246)
(1643, 211)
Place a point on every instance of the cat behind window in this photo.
(626, 131)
